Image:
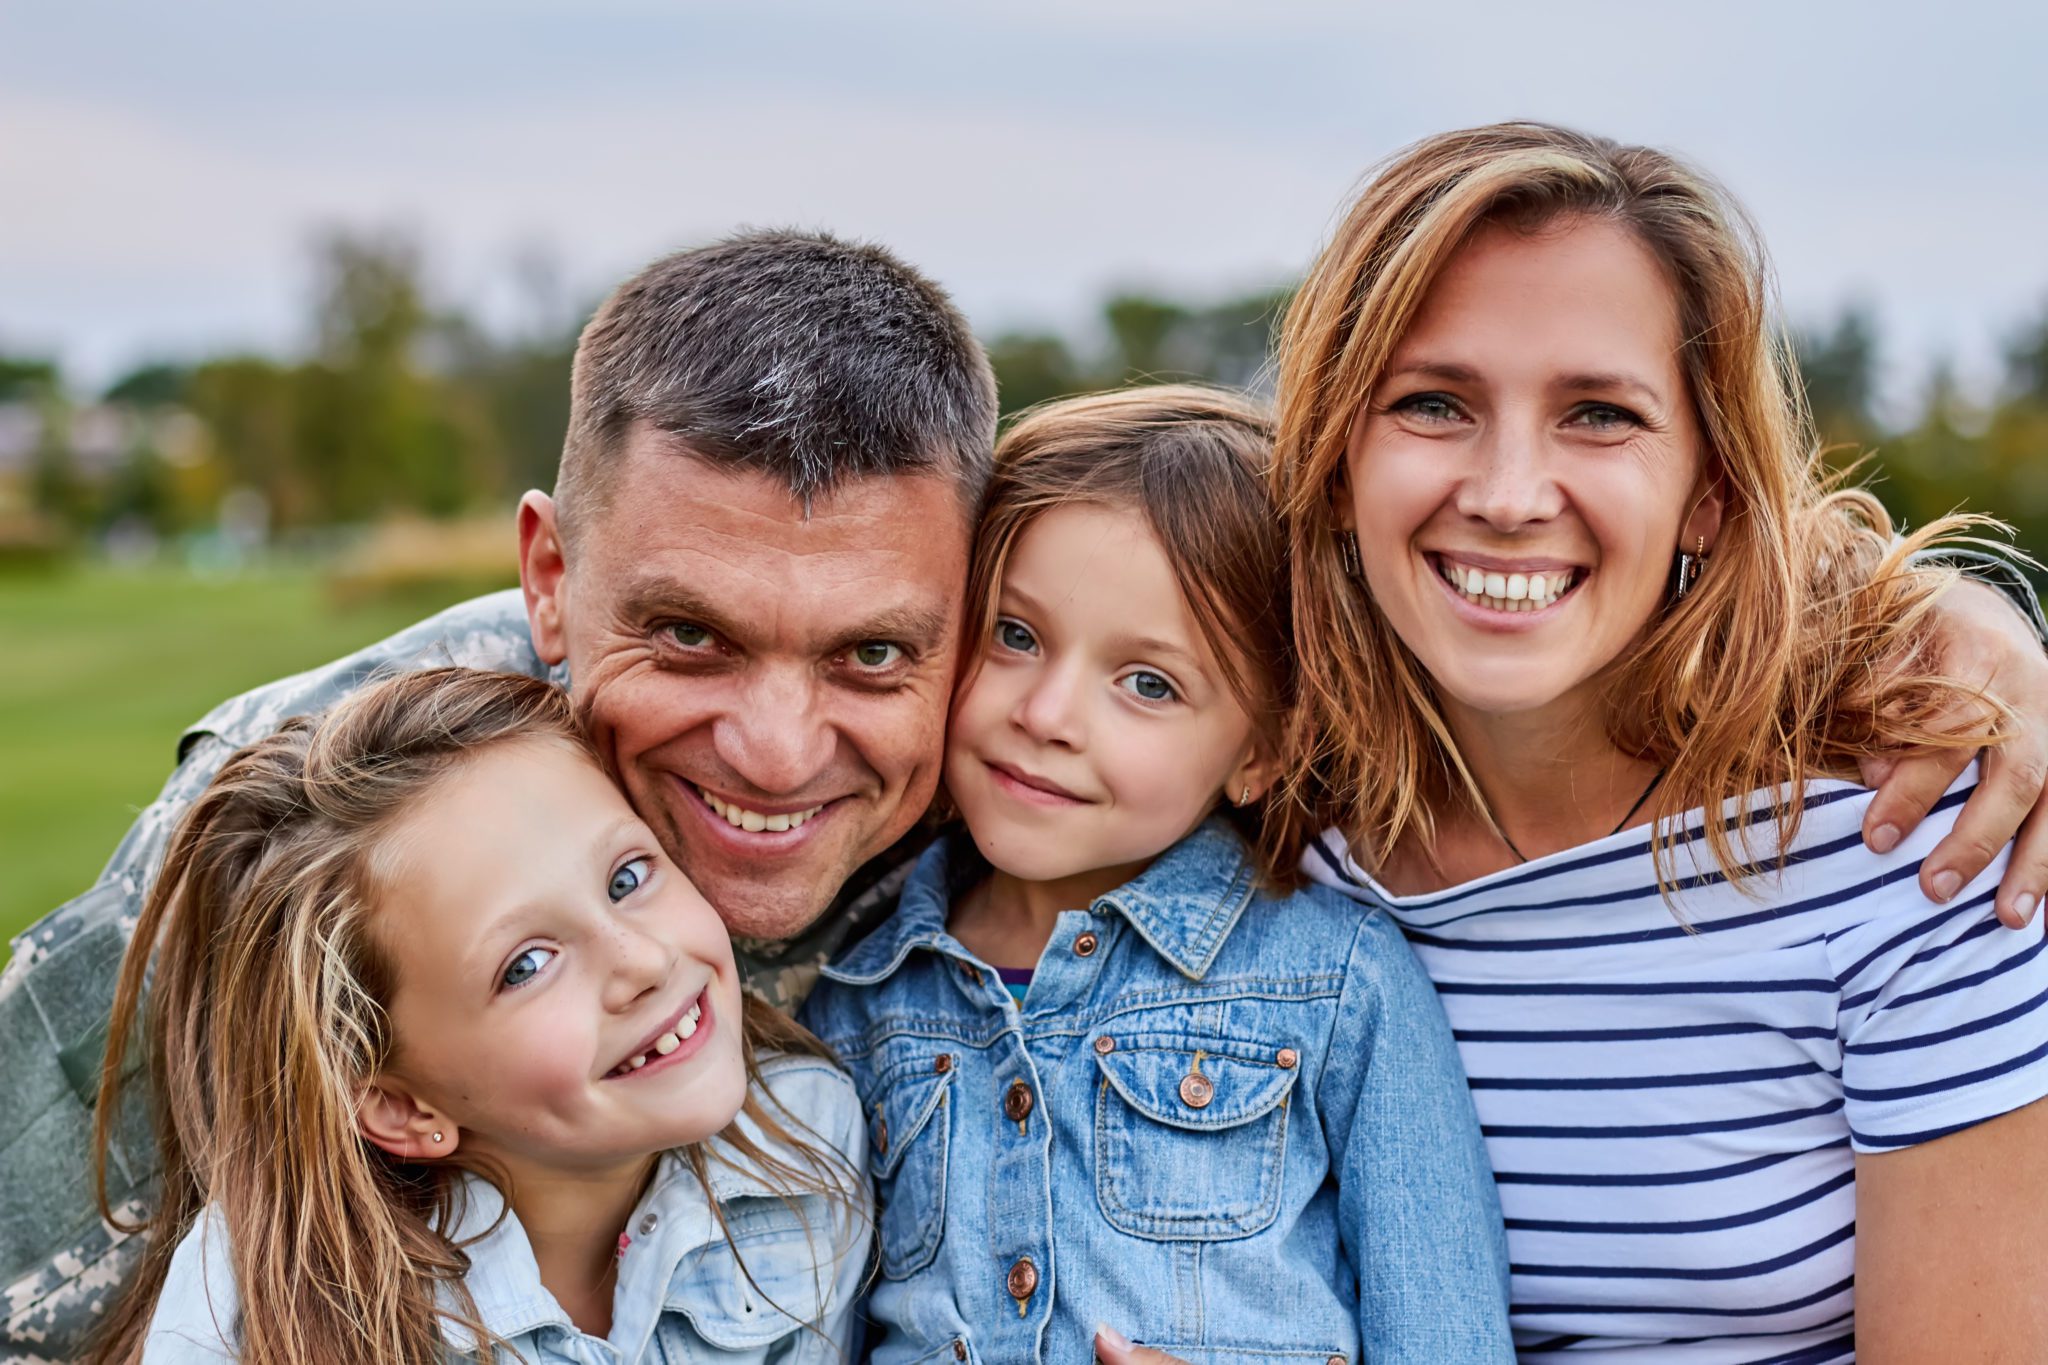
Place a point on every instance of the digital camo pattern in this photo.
(61, 1265)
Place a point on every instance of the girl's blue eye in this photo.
(1015, 635)
(629, 878)
(526, 966)
(1149, 685)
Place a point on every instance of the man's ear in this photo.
(1703, 523)
(543, 574)
(395, 1120)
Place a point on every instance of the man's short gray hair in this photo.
(806, 358)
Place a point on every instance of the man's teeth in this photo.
(753, 821)
(666, 1043)
(1507, 592)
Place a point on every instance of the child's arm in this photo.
(1417, 1208)
(198, 1304)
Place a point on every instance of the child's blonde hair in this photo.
(1192, 460)
(265, 1017)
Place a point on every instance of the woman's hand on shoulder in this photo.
(1982, 640)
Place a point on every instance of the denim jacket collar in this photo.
(504, 1278)
(1185, 904)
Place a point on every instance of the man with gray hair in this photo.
(749, 576)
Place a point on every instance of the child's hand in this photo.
(1114, 1348)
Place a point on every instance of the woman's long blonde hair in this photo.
(1804, 644)
(264, 1017)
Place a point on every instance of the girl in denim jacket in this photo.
(1120, 1082)
(452, 1063)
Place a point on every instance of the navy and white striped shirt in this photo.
(1673, 1108)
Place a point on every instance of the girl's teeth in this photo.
(668, 1042)
(688, 1028)
(639, 1062)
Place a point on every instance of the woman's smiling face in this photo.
(1528, 464)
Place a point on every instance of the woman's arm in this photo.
(1984, 640)
(1948, 1263)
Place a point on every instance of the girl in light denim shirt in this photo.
(452, 1063)
(1120, 1082)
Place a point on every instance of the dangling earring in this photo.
(1687, 570)
(1245, 797)
(1347, 550)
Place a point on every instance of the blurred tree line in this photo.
(404, 404)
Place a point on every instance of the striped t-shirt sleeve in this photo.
(1943, 1019)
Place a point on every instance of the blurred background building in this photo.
(287, 299)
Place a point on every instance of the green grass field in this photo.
(101, 670)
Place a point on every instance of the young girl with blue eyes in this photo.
(1117, 1075)
(450, 1062)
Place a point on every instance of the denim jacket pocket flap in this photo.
(1189, 1088)
(900, 1113)
(787, 1255)
(908, 1133)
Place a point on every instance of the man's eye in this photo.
(630, 878)
(526, 966)
(689, 635)
(1015, 635)
(876, 654)
(1149, 685)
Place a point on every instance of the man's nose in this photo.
(1049, 711)
(1511, 482)
(776, 739)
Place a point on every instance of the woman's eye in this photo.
(1605, 417)
(630, 878)
(1149, 685)
(689, 635)
(1015, 635)
(876, 653)
(526, 966)
(1430, 407)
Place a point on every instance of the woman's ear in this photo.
(1252, 777)
(393, 1119)
(1703, 523)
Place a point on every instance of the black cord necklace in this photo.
(1655, 778)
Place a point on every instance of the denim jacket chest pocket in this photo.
(770, 1274)
(1191, 1135)
(909, 1131)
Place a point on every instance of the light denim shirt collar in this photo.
(504, 1278)
(1184, 905)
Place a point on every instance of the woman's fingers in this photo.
(1114, 1348)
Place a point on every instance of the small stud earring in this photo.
(437, 1138)
(1245, 797)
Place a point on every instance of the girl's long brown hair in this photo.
(1192, 460)
(263, 1018)
(1804, 645)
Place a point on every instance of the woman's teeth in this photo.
(1507, 592)
(753, 821)
(666, 1043)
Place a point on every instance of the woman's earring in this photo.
(1245, 797)
(1347, 550)
(1687, 571)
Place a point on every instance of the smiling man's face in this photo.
(771, 686)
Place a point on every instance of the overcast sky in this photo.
(163, 167)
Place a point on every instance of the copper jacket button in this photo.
(1017, 1102)
(1196, 1090)
(1288, 1058)
(1084, 946)
(959, 1350)
(944, 1063)
(881, 1134)
(1105, 1045)
(1022, 1280)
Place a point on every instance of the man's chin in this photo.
(757, 910)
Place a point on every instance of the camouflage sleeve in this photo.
(61, 1266)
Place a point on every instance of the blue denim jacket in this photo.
(1229, 1124)
(681, 1295)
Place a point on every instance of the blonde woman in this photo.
(1589, 658)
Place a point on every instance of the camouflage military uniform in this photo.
(61, 1266)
